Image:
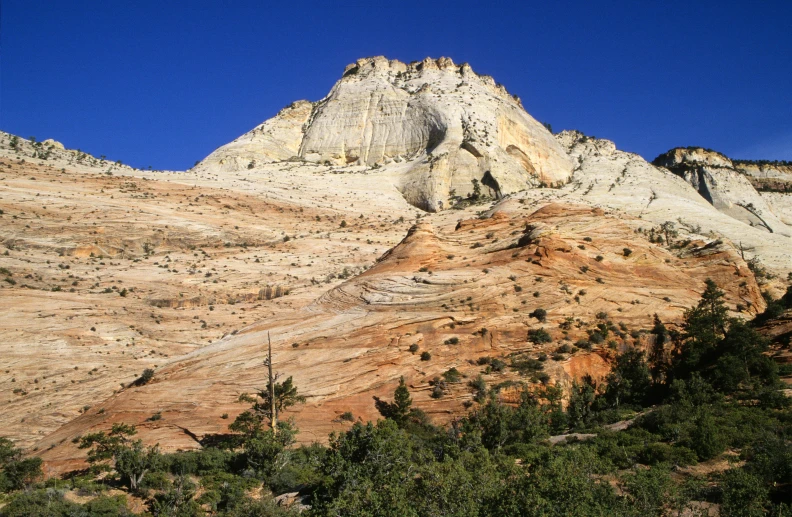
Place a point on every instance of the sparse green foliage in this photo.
(253, 421)
(16, 472)
(539, 336)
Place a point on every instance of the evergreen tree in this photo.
(705, 325)
(130, 459)
(369, 470)
(657, 356)
(401, 408)
(262, 444)
(581, 401)
(629, 380)
(739, 361)
(402, 400)
(15, 471)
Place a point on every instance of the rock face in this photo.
(53, 144)
(276, 139)
(765, 169)
(608, 178)
(451, 128)
(196, 258)
(723, 185)
(458, 290)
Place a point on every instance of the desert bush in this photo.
(539, 336)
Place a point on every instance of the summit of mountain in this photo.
(443, 127)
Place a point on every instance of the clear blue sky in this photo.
(164, 83)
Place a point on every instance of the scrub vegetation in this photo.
(701, 422)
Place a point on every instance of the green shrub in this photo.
(40, 503)
(480, 388)
(539, 314)
(526, 365)
(657, 453)
(596, 338)
(201, 462)
(145, 377)
(452, 375)
(743, 494)
(539, 336)
(706, 438)
(584, 344)
(496, 365)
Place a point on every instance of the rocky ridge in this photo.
(727, 186)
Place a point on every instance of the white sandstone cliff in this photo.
(723, 185)
(441, 125)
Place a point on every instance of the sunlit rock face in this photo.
(436, 130)
(725, 185)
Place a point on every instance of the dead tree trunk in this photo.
(271, 385)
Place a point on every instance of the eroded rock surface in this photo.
(611, 179)
(458, 290)
(726, 186)
(448, 125)
(103, 275)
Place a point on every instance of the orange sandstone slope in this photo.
(460, 291)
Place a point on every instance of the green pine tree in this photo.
(401, 401)
(705, 325)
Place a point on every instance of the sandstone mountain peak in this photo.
(394, 69)
(438, 131)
